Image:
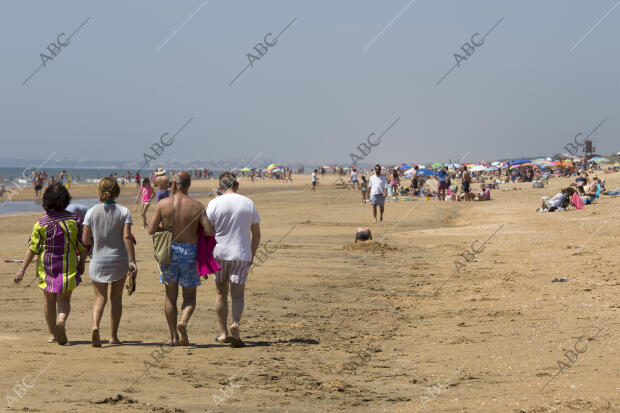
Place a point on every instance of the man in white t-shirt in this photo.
(237, 233)
(378, 192)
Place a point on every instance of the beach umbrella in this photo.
(478, 168)
(492, 168)
(404, 166)
(245, 170)
(426, 172)
(519, 162)
(272, 166)
(437, 165)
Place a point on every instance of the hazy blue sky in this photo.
(320, 91)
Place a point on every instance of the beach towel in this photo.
(577, 201)
(205, 262)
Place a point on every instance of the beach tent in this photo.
(519, 162)
(478, 168)
(599, 159)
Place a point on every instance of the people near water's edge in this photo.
(185, 215)
(237, 232)
(378, 192)
(107, 227)
(145, 195)
(57, 240)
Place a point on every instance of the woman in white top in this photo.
(107, 226)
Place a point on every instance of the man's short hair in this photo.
(182, 179)
(56, 198)
(228, 180)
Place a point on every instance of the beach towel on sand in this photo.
(205, 262)
(577, 201)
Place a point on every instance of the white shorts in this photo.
(234, 271)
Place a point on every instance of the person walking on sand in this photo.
(314, 180)
(364, 189)
(107, 226)
(146, 195)
(466, 183)
(56, 239)
(378, 192)
(237, 232)
(184, 214)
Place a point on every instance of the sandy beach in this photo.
(388, 326)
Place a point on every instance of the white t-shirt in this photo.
(110, 260)
(232, 215)
(354, 176)
(313, 176)
(378, 184)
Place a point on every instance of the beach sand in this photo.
(335, 327)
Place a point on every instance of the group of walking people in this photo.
(60, 242)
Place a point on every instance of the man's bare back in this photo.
(189, 213)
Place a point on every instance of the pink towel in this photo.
(205, 262)
(577, 201)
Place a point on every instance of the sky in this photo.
(340, 71)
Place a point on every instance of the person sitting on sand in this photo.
(184, 215)
(107, 226)
(363, 234)
(59, 269)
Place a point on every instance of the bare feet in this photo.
(235, 338)
(60, 333)
(183, 331)
(174, 342)
(115, 340)
(95, 338)
(222, 339)
(51, 339)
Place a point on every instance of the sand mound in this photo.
(369, 246)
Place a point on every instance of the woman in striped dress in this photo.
(57, 240)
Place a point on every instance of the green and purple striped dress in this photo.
(56, 238)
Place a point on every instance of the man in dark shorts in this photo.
(466, 182)
(442, 177)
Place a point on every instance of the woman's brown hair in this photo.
(108, 189)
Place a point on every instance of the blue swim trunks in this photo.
(182, 268)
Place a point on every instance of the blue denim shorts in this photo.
(182, 268)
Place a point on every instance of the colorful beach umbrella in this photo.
(437, 165)
(599, 159)
(427, 172)
(245, 170)
(519, 162)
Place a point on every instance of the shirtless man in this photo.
(182, 268)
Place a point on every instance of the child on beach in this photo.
(314, 180)
(56, 239)
(395, 183)
(146, 192)
(364, 189)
